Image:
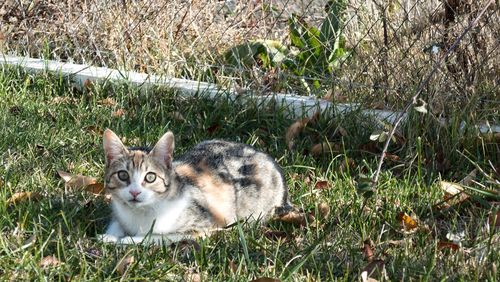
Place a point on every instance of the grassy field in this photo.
(46, 126)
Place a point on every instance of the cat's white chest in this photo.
(163, 217)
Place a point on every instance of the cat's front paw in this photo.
(107, 238)
(128, 240)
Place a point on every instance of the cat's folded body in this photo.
(213, 185)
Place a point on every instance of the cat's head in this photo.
(138, 177)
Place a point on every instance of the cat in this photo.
(215, 184)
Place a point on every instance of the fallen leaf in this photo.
(325, 148)
(79, 182)
(275, 234)
(368, 250)
(324, 210)
(294, 130)
(442, 245)
(107, 102)
(19, 197)
(297, 218)
(321, 184)
(213, 128)
(49, 261)
(453, 193)
(391, 157)
(407, 222)
(96, 188)
(370, 147)
(76, 181)
(124, 264)
(378, 105)
(118, 113)
(266, 279)
(347, 164)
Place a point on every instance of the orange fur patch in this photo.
(219, 195)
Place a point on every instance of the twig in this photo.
(421, 87)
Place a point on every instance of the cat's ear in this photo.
(113, 146)
(164, 149)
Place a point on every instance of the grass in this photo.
(387, 40)
(46, 125)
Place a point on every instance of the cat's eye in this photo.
(123, 175)
(150, 177)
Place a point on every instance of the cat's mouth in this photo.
(134, 201)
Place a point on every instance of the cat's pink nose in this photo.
(134, 193)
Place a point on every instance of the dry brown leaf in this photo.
(266, 279)
(453, 193)
(49, 261)
(322, 184)
(124, 264)
(349, 163)
(96, 188)
(391, 157)
(213, 128)
(370, 147)
(407, 222)
(275, 235)
(107, 102)
(325, 148)
(297, 218)
(294, 130)
(79, 182)
(19, 197)
(378, 105)
(324, 210)
(368, 250)
(76, 181)
(118, 113)
(442, 245)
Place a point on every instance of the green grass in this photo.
(45, 126)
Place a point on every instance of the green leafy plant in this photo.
(313, 54)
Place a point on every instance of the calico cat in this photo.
(211, 186)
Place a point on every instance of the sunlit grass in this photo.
(46, 125)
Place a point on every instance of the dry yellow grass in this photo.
(186, 39)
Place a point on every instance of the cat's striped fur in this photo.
(209, 187)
